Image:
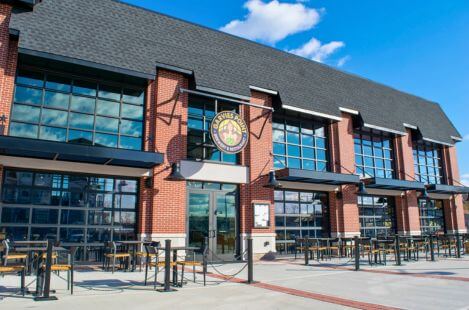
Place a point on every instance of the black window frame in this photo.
(282, 119)
(389, 165)
(426, 177)
(98, 83)
(375, 217)
(428, 214)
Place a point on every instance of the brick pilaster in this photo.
(344, 215)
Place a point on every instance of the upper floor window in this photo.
(427, 163)
(300, 144)
(373, 154)
(59, 108)
(199, 142)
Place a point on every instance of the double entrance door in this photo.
(214, 214)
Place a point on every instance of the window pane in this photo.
(18, 178)
(81, 121)
(293, 163)
(279, 149)
(25, 113)
(30, 78)
(133, 96)
(279, 136)
(131, 128)
(105, 140)
(56, 100)
(107, 124)
(132, 111)
(43, 233)
(307, 140)
(72, 217)
(52, 134)
(293, 150)
(45, 216)
(320, 142)
(293, 138)
(28, 95)
(72, 235)
(80, 137)
(15, 215)
(54, 117)
(109, 92)
(23, 130)
(107, 108)
(130, 143)
(84, 88)
(83, 104)
(58, 83)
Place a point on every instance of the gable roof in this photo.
(118, 35)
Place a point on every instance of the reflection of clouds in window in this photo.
(131, 128)
(28, 95)
(54, 117)
(83, 104)
(23, 130)
(53, 134)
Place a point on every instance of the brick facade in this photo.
(163, 202)
(343, 209)
(407, 209)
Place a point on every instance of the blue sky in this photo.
(418, 46)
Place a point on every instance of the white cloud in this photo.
(273, 21)
(465, 179)
(315, 50)
(342, 61)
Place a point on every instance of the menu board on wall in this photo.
(261, 215)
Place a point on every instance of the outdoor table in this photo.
(133, 244)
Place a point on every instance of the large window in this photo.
(58, 108)
(428, 163)
(432, 217)
(377, 216)
(300, 144)
(199, 142)
(300, 215)
(75, 209)
(373, 154)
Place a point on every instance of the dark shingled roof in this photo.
(112, 33)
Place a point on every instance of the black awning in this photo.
(33, 148)
(447, 189)
(317, 177)
(393, 184)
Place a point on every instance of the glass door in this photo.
(213, 214)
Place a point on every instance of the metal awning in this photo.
(317, 177)
(393, 184)
(33, 148)
(447, 189)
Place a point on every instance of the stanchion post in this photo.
(458, 245)
(398, 251)
(432, 249)
(306, 250)
(204, 258)
(250, 262)
(46, 292)
(357, 252)
(167, 267)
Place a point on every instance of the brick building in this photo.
(106, 114)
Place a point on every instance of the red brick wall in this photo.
(257, 156)
(344, 215)
(164, 206)
(8, 61)
(454, 207)
(407, 210)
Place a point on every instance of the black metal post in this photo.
(46, 292)
(167, 267)
(250, 262)
(205, 258)
(306, 249)
(398, 251)
(432, 249)
(458, 245)
(175, 268)
(356, 241)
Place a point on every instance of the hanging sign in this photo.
(229, 132)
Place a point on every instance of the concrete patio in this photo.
(282, 284)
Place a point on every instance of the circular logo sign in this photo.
(229, 132)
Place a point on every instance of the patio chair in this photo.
(112, 255)
(145, 256)
(190, 263)
(21, 269)
(152, 251)
(8, 255)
